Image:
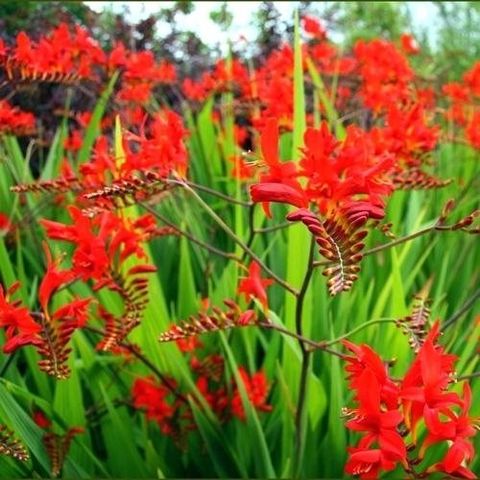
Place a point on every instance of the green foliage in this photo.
(119, 442)
(368, 20)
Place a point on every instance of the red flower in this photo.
(409, 44)
(378, 423)
(52, 280)
(90, 258)
(368, 463)
(152, 398)
(277, 192)
(278, 183)
(254, 285)
(385, 73)
(76, 311)
(313, 26)
(41, 419)
(217, 399)
(345, 172)
(5, 224)
(15, 121)
(256, 388)
(365, 359)
(472, 130)
(423, 388)
(456, 431)
(20, 328)
(472, 79)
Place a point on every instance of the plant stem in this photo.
(324, 345)
(468, 377)
(274, 228)
(302, 391)
(251, 228)
(359, 328)
(306, 341)
(147, 363)
(239, 242)
(206, 246)
(464, 309)
(210, 191)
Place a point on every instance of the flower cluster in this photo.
(61, 56)
(14, 121)
(165, 405)
(389, 412)
(465, 107)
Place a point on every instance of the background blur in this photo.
(195, 33)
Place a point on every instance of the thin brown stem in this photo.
(251, 228)
(200, 243)
(468, 377)
(306, 341)
(147, 363)
(303, 384)
(210, 191)
(274, 228)
(242, 244)
(464, 309)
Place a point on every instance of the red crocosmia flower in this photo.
(282, 174)
(313, 26)
(139, 93)
(241, 169)
(61, 56)
(472, 130)
(423, 387)
(256, 388)
(20, 327)
(371, 417)
(189, 344)
(151, 397)
(254, 285)
(90, 259)
(4, 224)
(76, 311)
(409, 44)
(456, 91)
(41, 419)
(385, 72)
(368, 463)
(74, 141)
(117, 57)
(366, 359)
(381, 447)
(472, 79)
(456, 430)
(52, 280)
(344, 173)
(217, 399)
(279, 193)
(15, 121)
(409, 132)
(162, 150)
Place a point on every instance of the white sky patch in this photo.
(423, 16)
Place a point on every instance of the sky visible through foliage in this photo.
(423, 15)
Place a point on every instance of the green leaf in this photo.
(263, 462)
(93, 129)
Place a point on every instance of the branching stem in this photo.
(240, 242)
(147, 363)
(206, 246)
(210, 191)
(302, 390)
